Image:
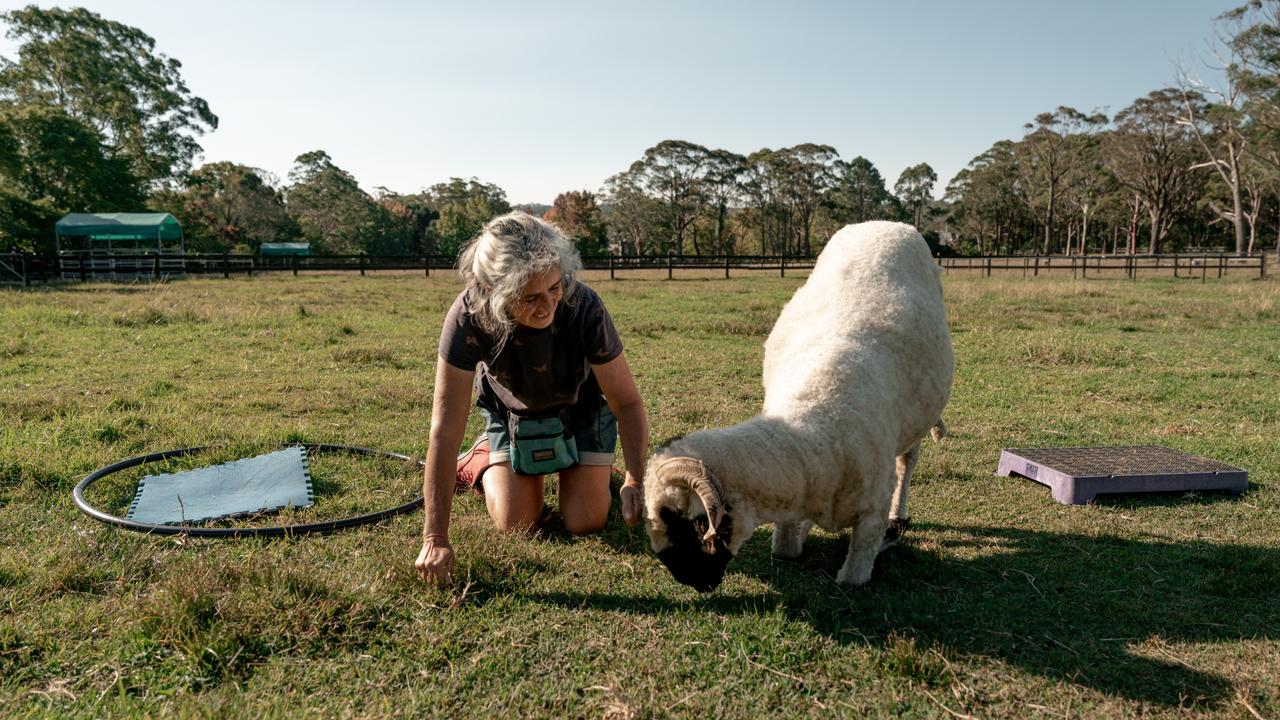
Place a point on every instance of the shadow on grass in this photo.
(1064, 606)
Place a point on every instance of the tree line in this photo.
(93, 119)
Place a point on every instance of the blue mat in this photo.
(258, 484)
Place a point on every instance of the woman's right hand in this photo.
(435, 562)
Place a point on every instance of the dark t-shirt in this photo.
(536, 369)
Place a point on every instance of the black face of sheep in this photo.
(693, 562)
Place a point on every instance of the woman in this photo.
(540, 349)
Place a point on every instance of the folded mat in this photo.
(258, 484)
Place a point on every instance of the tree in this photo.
(1152, 155)
(672, 172)
(57, 160)
(1046, 156)
(334, 214)
(986, 201)
(463, 206)
(806, 174)
(915, 189)
(108, 76)
(633, 218)
(722, 186)
(859, 193)
(224, 205)
(578, 216)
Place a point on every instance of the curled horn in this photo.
(700, 480)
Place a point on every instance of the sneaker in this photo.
(471, 465)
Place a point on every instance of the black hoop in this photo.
(326, 526)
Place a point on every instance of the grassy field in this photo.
(999, 603)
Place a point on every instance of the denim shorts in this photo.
(592, 423)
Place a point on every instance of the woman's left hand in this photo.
(632, 495)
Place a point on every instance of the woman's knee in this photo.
(585, 499)
(514, 501)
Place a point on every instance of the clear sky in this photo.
(543, 97)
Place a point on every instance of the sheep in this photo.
(857, 371)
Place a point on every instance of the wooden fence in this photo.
(27, 269)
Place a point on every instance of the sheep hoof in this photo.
(897, 527)
(855, 576)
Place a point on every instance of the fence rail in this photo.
(25, 269)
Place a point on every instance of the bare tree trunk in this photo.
(1133, 226)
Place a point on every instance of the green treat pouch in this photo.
(541, 445)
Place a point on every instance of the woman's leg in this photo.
(514, 501)
(585, 498)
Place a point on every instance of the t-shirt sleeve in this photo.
(461, 344)
(599, 337)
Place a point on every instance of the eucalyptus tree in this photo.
(722, 190)
(334, 214)
(1047, 153)
(766, 213)
(672, 171)
(1252, 36)
(226, 204)
(632, 217)
(859, 193)
(806, 174)
(985, 200)
(1221, 130)
(914, 189)
(108, 76)
(1153, 154)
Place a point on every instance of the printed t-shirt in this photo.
(535, 370)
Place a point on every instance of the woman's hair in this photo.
(499, 261)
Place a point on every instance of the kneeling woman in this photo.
(551, 381)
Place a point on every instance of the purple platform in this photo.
(1078, 474)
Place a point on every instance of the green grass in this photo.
(999, 603)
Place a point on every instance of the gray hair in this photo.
(499, 261)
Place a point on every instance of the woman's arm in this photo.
(449, 412)
(620, 391)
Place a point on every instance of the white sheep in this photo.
(857, 371)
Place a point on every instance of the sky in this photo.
(545, 97)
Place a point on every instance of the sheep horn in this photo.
(702, 482)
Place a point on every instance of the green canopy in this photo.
(120, 226)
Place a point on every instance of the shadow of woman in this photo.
(1094, 611)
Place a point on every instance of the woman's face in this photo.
(536, 306)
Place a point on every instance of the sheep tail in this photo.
(939, 430)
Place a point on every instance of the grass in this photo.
(999, 602)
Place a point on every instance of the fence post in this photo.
(988, 266)
(1036, 272)
(782, 265)
(610, 266)
(25, 280)
(1204, 269)
(669, 261)
(426, 265)
(293, 262)
(361, 266)
(1262, 265)
(253, 264)
(726, 266)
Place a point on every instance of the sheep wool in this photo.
(857, 370)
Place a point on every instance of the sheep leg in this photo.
(905, 466)
(899, 520)
(788, 538)
(864, 546)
